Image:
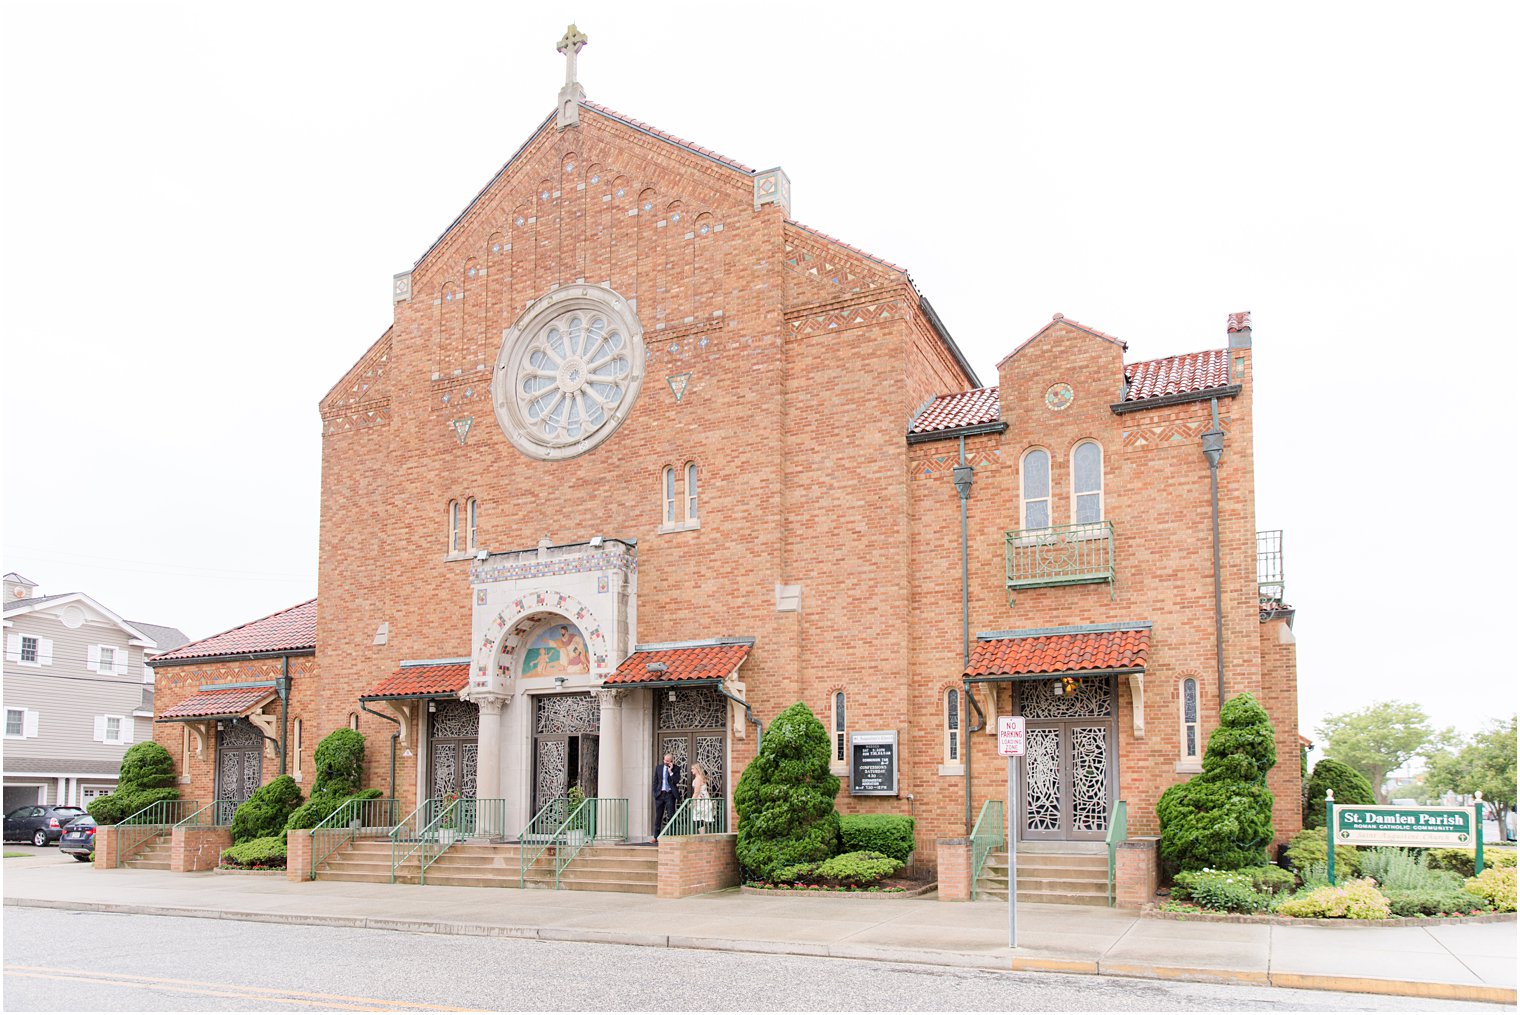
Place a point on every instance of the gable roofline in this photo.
(12, 576)
(24, 606)
(344, 376)
(655, 132)
(1054, 321)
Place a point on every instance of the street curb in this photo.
(1260, 978)
(876, 953)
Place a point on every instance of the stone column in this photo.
(610, 750)
(488, 764)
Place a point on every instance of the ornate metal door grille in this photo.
(694, 726)
(454, 747)
(1071, 764)
(239, 760)
(565, 734)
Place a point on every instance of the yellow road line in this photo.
(244, 991)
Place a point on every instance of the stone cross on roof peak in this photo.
(571, 95)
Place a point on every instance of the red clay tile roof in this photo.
(1177, 375)
(699, 662)
(285, 631)
(215, 704)
(1239, 322)
(657, 132)
(964, 408)
(434, 678)
(1060, 653)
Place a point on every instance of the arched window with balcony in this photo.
(1087, 483)
(1034, 489)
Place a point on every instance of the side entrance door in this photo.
(692, 726)
(453, 747)
(1070, 767)
(239, 760)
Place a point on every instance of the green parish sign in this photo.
(1355, 825)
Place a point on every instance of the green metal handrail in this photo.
(597, 819)
(463, 818)
(698, 817)
(1060, 555)
(349, 822)
(1118, 831)
(540, 831)
(216, 814)
(137, 829)
(986, 836)
(406, 836)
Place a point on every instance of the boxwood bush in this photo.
(1432, 901)
(887, 834)
(265, 813)
(856, 869)
(256, 854)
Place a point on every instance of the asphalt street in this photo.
(61, 960)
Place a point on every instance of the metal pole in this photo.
(1330, 834)
(1478, 815)
(1013, 857)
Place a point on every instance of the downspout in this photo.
(394, 737)
(284, 688)
(964, 475)
(1213, 450)
(748, 714)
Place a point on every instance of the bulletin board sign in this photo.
(873, 763)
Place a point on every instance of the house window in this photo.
(691, 493)
(15, 722)
(1190, 719)
(297, 738)
(147, 674)
(1087, 482)
(668, 481)
(838, 725)
(952, 727)
(453, 527)
(472, 514)
(1034, 483)
(28, 649)
(112, 729)
(107, 659)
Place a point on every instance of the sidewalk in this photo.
(1474, 962)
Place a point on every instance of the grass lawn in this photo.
(9, 855)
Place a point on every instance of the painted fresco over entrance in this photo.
(557, 650)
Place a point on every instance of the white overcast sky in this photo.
(203, 205)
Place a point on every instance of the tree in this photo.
(1377, 739)
(1485, 763)
(339, 759)
(146, 777)
(785, 799)
(1350, 786)
(1222, 817)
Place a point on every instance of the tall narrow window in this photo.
(1034, 484)
(668, 482)
(838, 725)
(297, 739)
(28, 649)
(453, 526)
(952, 727)
(15, 722)
(1190, 718)
(691, 492)
(353, 720)
(472, 514)
(1087, 482)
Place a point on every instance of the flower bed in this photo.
(892, 888)
(1186, 911)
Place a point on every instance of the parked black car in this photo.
(78, 838)
(38, 824)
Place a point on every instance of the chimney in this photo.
(1238, 328)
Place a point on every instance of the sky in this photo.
(202, 206)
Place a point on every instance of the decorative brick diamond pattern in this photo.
(1060, 653)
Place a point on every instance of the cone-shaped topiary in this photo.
(785, 799)
(1222, 818)
(1351, 787)
(340, 763)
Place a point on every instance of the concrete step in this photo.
(148, 865)
(1065, 873)
(1084, 861)
(1044, 898)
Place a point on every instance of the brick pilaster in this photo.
(953, 857)
(197, 849)
(106, 842)
(696, 864)
(298, 854)
(1136, 875)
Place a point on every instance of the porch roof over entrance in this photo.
(431, 679)
(231, 703)
(1094, 648)
(711, 660)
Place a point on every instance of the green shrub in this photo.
(785, 798)
(340, 763)
(1405, 870)
(1222, 818)
(1355, 900)
(1431, 901)
(1464, 861)
(1308, 847)
(262, 853)
(797, 874)
(264, 814)
(146, 777)
(114, 808)
(858, 868)
(887, 834)
(1350, 786)
(319, 807)
(1496, 885)
(1225, 891)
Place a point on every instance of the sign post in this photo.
(1370, 825)
(1011, 746)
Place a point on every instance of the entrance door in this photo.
(1071, 763)
(692, 726)
(565, 741)
(239, 760)
(454, 747)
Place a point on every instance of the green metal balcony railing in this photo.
(216, 814)
(698, 817)
(986, 837)
(1060, 555)
(138, 829)
(1118, 831)
(354, 820)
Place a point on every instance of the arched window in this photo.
(952, 727)
(453, 526)
(1087, 482)
(691, 493)
(839, 726)
(353, 720)
(1190, 719)
(472, 515)
(1034, 485)
(668, 483)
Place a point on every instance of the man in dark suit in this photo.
(667, 792)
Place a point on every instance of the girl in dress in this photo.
(702, 800)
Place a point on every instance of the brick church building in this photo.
(642, 461)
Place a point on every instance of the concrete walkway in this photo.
(1474, 962)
